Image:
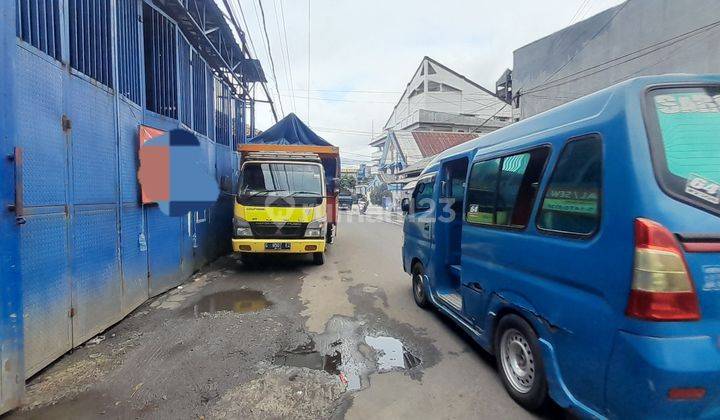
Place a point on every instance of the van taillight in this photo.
(662, 289)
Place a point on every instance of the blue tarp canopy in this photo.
(289, 130)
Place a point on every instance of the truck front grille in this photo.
(271, 230)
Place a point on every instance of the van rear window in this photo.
(685, 136)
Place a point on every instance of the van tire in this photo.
(526, 384)
(419, 288)
(318, 258)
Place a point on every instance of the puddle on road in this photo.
(351, 355)
(306, 356)
(391, 354)
(239, 301)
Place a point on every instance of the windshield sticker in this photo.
(571, 200)
(711, 278)
(702, 188)
(687, 103)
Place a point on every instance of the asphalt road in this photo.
(283, 339)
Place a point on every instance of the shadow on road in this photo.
(550, 411)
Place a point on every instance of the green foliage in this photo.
(347, 183)
(377, 194)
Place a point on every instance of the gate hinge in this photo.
(72, 312)
(66, 123)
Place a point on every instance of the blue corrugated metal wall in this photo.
(11, 330)
(90, 252)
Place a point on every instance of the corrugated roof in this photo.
(417, 166)
(431, 143)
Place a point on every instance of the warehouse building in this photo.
(78, 250)
(635, 38)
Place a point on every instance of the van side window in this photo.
(482, 189)
(572, 198)
(423, 194)
(502, 191)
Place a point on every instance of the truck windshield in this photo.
(685, 135)
(281, 179)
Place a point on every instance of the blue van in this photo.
(581, 247)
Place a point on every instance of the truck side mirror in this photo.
(405, 205)
(226, 184)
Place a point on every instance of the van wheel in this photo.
(419, 286)
(520, 362)
(318, 258)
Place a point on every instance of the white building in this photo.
(438, 98)
(439, 106)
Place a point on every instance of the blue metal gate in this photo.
(89, 252)
(11, 330)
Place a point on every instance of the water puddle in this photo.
(391, 354)
(306, 356)
(239, 301)
(344, 351)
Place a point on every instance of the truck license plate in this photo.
(277, 245)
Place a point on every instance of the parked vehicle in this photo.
(282, 203)
(585, 249)
(345, 201)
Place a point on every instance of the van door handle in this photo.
(476, 287)
(18, 206)
(426, 226)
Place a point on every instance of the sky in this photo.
(362, 53)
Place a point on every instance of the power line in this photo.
(272, 62)
(283, 58)
(287, 53)
(432, 100)
(242, 39)
(577, 13)
(617, 12)
(615, 61)
(489, 118)
(352, 91)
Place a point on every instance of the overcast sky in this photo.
(364, 52)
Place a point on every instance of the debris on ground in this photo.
(282, 392)
(95, 341)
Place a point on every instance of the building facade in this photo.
(79, 251)
(437, 99)
(636, 38)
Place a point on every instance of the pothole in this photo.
(306, 356)
(344, 350)
(391, 354)
(239, 301)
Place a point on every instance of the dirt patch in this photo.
(282, 392)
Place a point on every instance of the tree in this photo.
(347, 183)
(378, 193)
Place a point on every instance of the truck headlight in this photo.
(241, 228)
(316, 229)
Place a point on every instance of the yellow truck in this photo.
(286, 200)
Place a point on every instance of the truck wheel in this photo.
(248, 259)
(419, 287)
(520, 362)
(318, 258)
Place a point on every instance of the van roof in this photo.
(584, 108)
